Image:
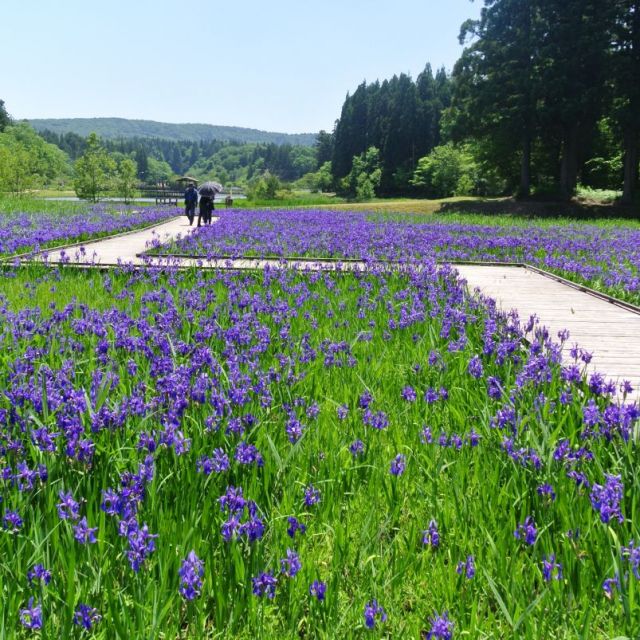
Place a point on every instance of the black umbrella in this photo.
(209, 189)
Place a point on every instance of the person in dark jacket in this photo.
(206, 208)
(190, 202)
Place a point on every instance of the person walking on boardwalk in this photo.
(208, 191)
(206, 209)
(190, 202)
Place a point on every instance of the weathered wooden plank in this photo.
(610, 333)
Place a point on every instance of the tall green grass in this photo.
(364, 537)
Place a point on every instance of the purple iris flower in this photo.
(294, 429)
(606, 498)
(551, 570)
(398, 465)
(248, 454)
(39, 573)
(232, 500)
(475, 368)
(290, 565)
(431, 396)
(295, 526)
(86, 616)
(431, 537)
(356, 448)
(217, 463)
(311, 496)
(441, 627)
(318, 589)
(378, 420)
(12, 521)
(409, 394)
(631, 553)
(141, 545)
(31, 616)
(68, 508)
(373, 612)
(253, 529)
(610, 585)
(191, 573)
(546, 490)
(83, 533)
(264, 585)
(468, 567)
(426, 437)
(527, 531)
(342, 411)
(365, 400)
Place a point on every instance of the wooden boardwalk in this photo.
(122, 248)
(609, 332)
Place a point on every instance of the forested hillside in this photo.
(116, 128)
(158, 158)
(26, 160)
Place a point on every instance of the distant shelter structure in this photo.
(166, 192)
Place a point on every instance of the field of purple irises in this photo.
(290, 454)
(29, 231)
(606, 257)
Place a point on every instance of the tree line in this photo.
(157, 159)
(547, 85)
(545, 94)
(400, 118)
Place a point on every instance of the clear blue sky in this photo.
(284, 65)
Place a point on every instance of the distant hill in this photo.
(110, 128)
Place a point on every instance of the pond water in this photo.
(219, 198)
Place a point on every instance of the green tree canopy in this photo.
(625, 70)
(365, 175)
(399, 117)
(27, 161)
(158, 171)
(93, 171)
(446, 171)
(534, 82)
(497, 84)
(323, 148)
(264, 187)
(126, 179)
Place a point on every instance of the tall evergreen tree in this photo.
(342, 157)
(625, 70)
(323, 148)
(574, 49)
(496, 83)
(399, 151)
(351, 132)
(142, 163)
(428, 110)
